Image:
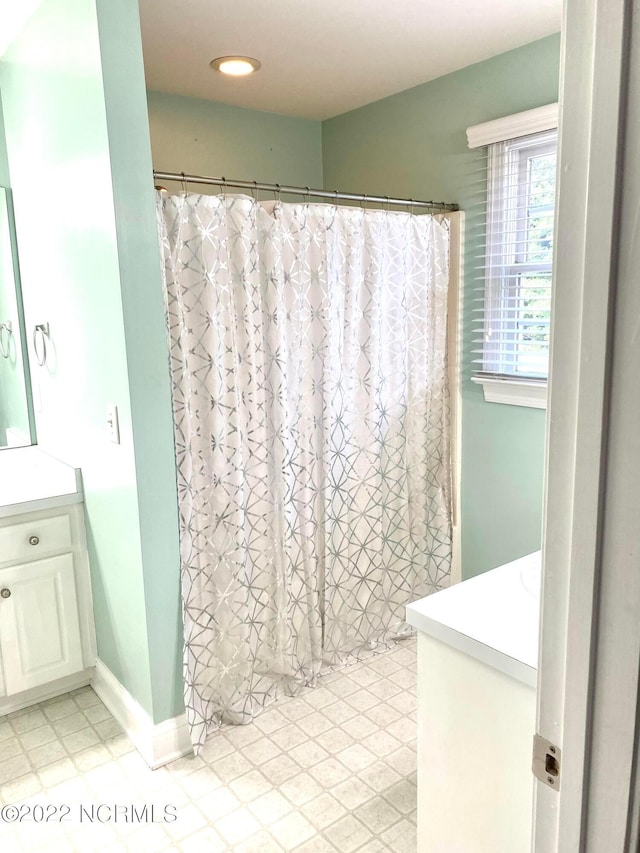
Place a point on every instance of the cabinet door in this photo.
(39, 630)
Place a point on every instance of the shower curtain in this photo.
(309, 376)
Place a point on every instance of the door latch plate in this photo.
(546, 762)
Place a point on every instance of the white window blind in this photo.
(512, 302)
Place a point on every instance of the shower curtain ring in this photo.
(254, 191)
(336, 198)
(386, 202)
(410, 207)
(307, 196)
(277, 193)
(363, 201)
(184, 183)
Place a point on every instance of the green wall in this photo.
(68, 176)
(146, 344)
(414, 145)
(207, 138)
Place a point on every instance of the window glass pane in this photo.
(541, 180)
(531, 314)
(539, 236)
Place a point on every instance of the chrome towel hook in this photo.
(40, 338)
(6, 332)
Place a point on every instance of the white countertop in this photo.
(31, 479)
(493, 617)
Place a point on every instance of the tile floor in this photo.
(332, 769)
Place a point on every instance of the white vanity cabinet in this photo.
(47, 641)
(477, 672)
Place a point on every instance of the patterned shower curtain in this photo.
(309, 376)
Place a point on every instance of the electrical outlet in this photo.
(113, 427)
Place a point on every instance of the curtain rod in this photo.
(334, 195)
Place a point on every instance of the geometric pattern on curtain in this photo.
(308, 354)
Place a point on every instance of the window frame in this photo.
(507, 210)
(500, 387)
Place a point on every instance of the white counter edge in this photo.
(7, 510)
(468, 645)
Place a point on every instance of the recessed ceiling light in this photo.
(235, 66)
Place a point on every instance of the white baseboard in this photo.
(158, 743)
(18, 701)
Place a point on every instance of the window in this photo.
(514, 324)
(512, 309)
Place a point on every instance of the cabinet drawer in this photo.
(35, 539)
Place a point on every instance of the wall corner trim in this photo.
(513, 126)
(157, 743)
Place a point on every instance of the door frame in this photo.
(589, 663)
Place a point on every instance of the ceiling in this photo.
(321, 58)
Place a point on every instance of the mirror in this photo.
(16, 411)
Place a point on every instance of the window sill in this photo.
(513, 392)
